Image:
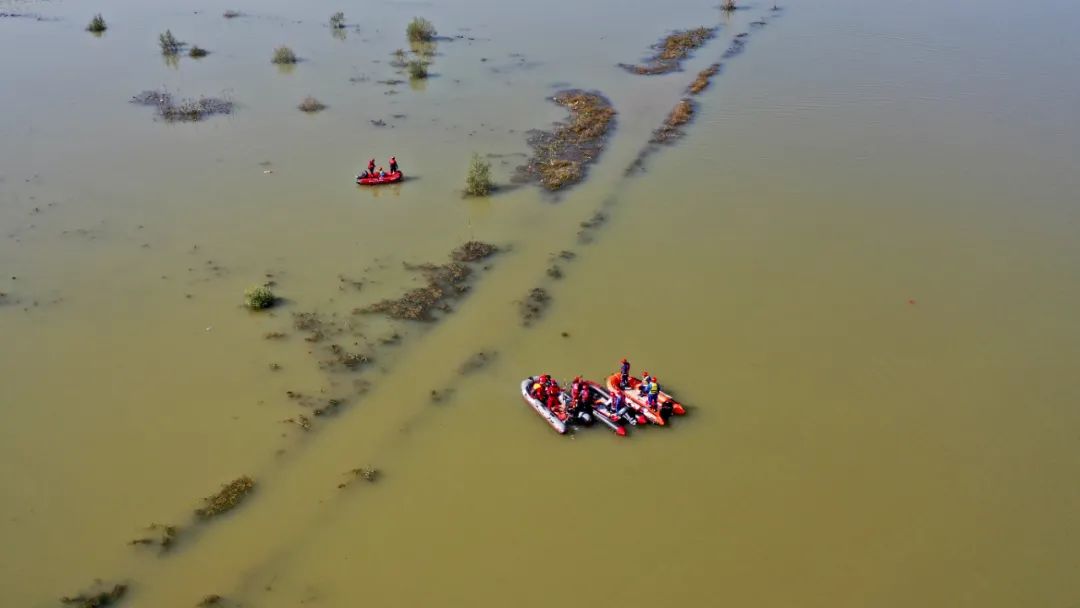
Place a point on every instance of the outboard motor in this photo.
(666, 410)
(583, 417)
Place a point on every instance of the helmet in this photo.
(623, 360)
(643, 374)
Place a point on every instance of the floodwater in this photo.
(859, 269)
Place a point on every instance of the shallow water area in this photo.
(858, 268)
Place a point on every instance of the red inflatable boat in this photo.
(666, 406)
(391, 178)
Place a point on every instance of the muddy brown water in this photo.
(859, 269)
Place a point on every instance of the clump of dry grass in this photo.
(671, 50)
(560, 156)
(681, 114)
(703, 78)
(473, 251)
(230, 495)
(310, 105)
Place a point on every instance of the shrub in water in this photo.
(97, 24)
(478, 180)
(420, 30)
(284, 55)
(417, 69)
(169, 44)
(258, 298)
(728, 5)
(337, 20)
(197, 52)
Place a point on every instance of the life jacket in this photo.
(654, 389)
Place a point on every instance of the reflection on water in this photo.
(858, 268)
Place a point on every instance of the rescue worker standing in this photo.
(624, 371)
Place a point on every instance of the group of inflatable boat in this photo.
(562, 411)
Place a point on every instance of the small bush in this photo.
(337, 20)
(478, 180)
(97, 24)
(420, 30)
(728, 5)
(169, 44)
(399, 60)
(284, 55)
(258, 298)
(310, 104)
(197, 52)
(417, 69)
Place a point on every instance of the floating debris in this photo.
(554, 271)
(331, 406)
(534, 304)
(368, 474)
(166, 536)
(346, 359)
(393, 338)
(97, 599)
(561, 155)
(671, 50)
(301, 421)
(445, 283)
(210, 600)
(438, 396)
(274, 335)
(228, 498)
(473, 251)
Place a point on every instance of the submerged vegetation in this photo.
(169, 44)
(473, 251)
(228, 498)
(258, 298)
(561, 155)
(187, 110)
(97, 599)
(283, 55)
(445, 283)
(337, 20)
(310, 105)
(671, 51)
(231, 14)
(420, 30)
(534, 304)
(478, 179)
(167, 535)
(97, 24)
(417, 69)
(671, 128)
